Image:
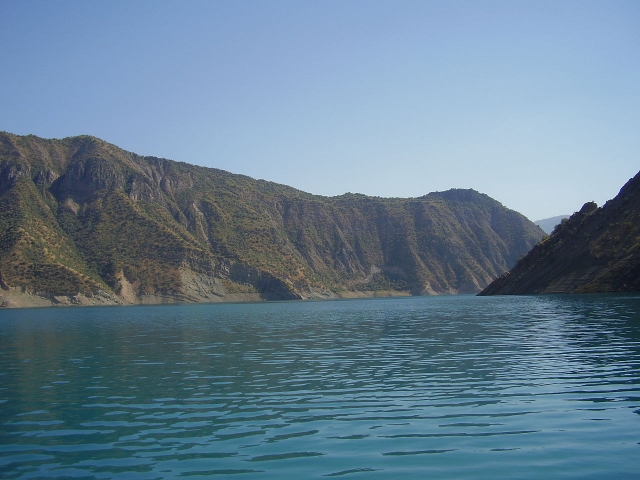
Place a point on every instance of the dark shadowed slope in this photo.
(595, 250)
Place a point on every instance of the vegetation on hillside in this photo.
(595, 250)
(80, 215)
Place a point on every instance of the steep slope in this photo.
(595, 250)
(83, 219)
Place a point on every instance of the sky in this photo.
(535, 103)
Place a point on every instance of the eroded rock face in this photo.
(9, 175)
(595, 250)
(81, 216)
(46, 177)
(83, 178)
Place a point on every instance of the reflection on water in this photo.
(439, 387)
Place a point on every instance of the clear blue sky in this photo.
(535, 103)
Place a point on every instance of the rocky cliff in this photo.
(595, 250)
(83, 221)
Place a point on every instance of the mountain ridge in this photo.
(597, 249)
(87, 222)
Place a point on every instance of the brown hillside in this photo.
(81, 218)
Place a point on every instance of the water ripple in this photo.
(448, 387)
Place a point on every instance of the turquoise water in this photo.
(427, 387)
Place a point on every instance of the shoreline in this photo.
(12, 299)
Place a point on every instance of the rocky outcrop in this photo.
(595, 250)
(79, 216)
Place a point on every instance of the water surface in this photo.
(427, 387)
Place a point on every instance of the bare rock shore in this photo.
(18, 299)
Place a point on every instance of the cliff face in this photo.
(595, 250)
(82, 219)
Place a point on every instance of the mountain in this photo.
(548, 224)
(83, 221)
(595, 250)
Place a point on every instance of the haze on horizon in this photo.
(533, 103)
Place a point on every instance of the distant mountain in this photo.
(595, 250)
(83, 221)
(548, 224)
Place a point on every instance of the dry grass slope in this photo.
(79, 215)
